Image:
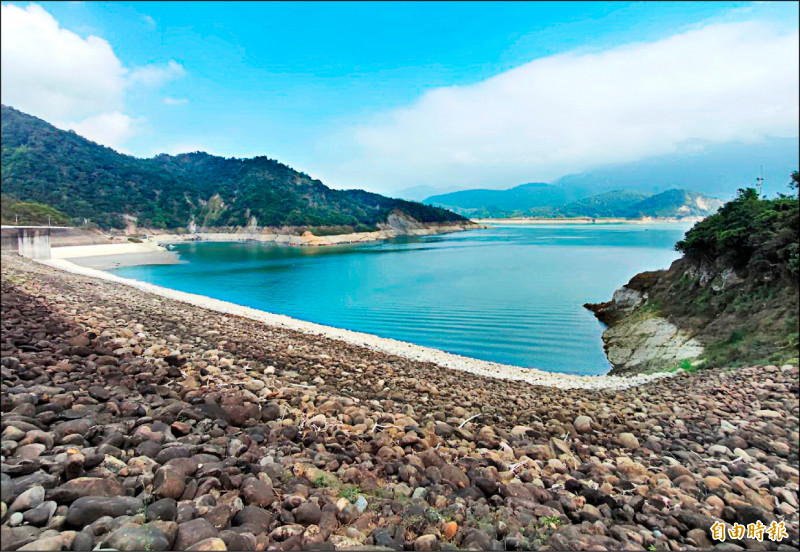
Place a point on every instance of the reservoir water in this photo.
(512, 294)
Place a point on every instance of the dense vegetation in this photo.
(736, 288)
(543, 200)
(86, 181)
(27, 213)
(517, 201)
(606, 205)
(760, 234)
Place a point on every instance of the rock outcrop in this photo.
(700, 313)
(638, 340)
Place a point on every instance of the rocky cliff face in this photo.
(640, 341)
(699, 314)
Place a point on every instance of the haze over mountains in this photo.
(713, 169)
(545, 200)
(85, 180)
(699, 170)
(716, 170)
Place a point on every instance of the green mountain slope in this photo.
(676, 203)
(633, 204)
(84, 180)
(608, 204)
(19, 212)
(518, 201)
(544, 200)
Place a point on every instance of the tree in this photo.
(749, 232)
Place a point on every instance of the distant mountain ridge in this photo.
(714, 169)
(543, 200)
(717, 170)
(84, 180)
(526, 198)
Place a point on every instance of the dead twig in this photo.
(465, 422)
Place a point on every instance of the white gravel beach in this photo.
(116, 255)
(107, 249)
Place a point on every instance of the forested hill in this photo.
(85, 180)
(547, 200)
(735, 290)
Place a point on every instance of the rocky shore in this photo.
(393, 347)
(397, 225)
(154, 249)
(639, 341)
(134, 422)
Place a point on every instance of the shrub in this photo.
(760, 234)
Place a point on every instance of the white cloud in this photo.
(53, 72)
(156, 75)
(75, 83)
(175, 101)
(576, 111)
(109, 129)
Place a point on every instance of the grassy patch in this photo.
(741, 349)
(652, 307)
(550, 520)
(687, 366)
(350, 492)
(320, 481)
(11, 278)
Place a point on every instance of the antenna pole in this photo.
(760, 180)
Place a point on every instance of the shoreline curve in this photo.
(384, 345)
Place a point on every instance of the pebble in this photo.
(231, 434)
(583, 424)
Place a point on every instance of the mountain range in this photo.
(717, 170)
(547, 200)
(85, 181)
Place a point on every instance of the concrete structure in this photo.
(32, 241)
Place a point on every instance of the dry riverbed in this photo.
(132, 421)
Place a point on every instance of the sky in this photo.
(386, 96)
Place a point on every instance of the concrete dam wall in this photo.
(35, 241)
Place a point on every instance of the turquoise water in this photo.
(510, 294)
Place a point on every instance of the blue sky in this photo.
(321, 86)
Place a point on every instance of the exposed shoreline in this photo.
(116, 255)
(194, 428)
(154, 249)
(119, 260)
(588, 220)
(385, 345)
(308, 239)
